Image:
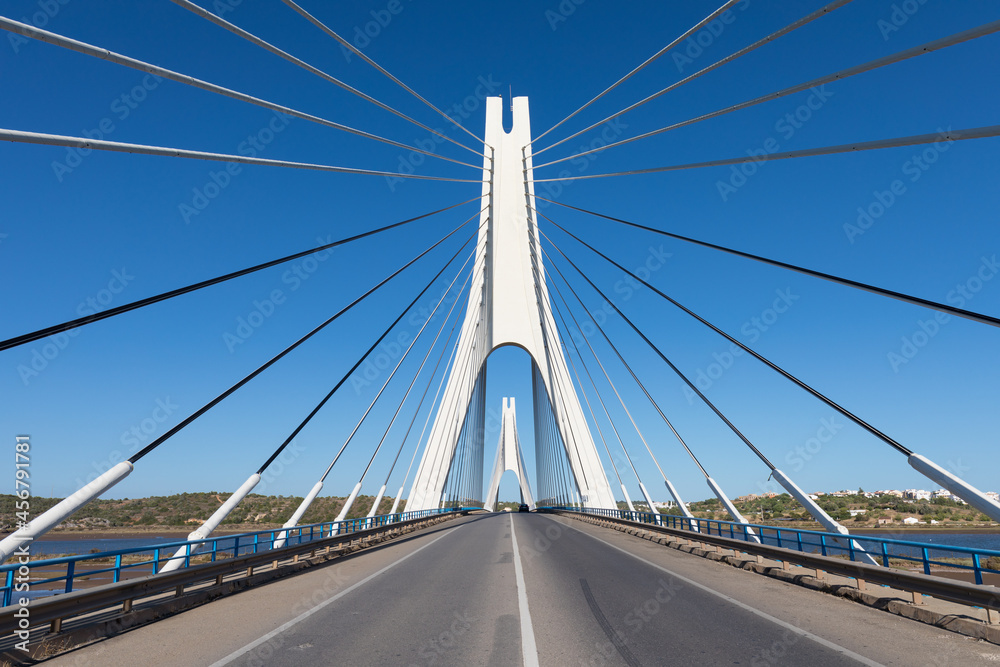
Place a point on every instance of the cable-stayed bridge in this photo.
(514, 267)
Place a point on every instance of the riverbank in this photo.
(972, 528)
(965, 530)
(78, 534)
(178, 534)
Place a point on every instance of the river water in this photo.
(54, 547)
(979, 541)
(985, 541)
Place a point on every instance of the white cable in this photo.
(822, 11)
(236, 30)
(649, 60)
(104, 54)
(347, 45)
(80, 142)
(951, 40)
(945, 136)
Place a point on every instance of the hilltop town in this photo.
(854, 509)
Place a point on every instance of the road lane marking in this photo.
(301, 617)
(753, 610)
(529, 652)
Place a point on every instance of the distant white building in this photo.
(857, 512)
(945, 493)
(910, 520)
(917, 494)
(993, 495)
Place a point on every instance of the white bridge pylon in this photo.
(509, 305)
(509, 457)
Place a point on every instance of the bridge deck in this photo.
(449, 596)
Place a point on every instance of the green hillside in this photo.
(187, 510)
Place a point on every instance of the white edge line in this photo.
(529, 652)
(753, 610)
(301, 617)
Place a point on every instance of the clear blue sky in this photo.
(111, 227)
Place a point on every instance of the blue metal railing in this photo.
(813, 541)
(227, 546)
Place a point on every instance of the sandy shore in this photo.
(178, 534)
(968, 530)
(130, 532)
(894, 528)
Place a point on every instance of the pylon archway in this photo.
(509, 305)
(509, 457)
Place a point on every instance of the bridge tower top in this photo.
(515, 277)
(509, 305)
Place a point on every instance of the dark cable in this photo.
(417, 375)
(833, 404)
(361, 360)
(111, 312)
(218, 399)
(406, 395)
(926, 303)
(596, 390)
(676, 370)
(430, 380)
(622, 359)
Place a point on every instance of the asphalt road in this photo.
(554, 592)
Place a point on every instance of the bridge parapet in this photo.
(799, 547)
(226, 551)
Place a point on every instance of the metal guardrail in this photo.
(979, 595)
(222, 547)
(826, 544)
(55, 609)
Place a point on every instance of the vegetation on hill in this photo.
(784, 510)
(188, 510)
